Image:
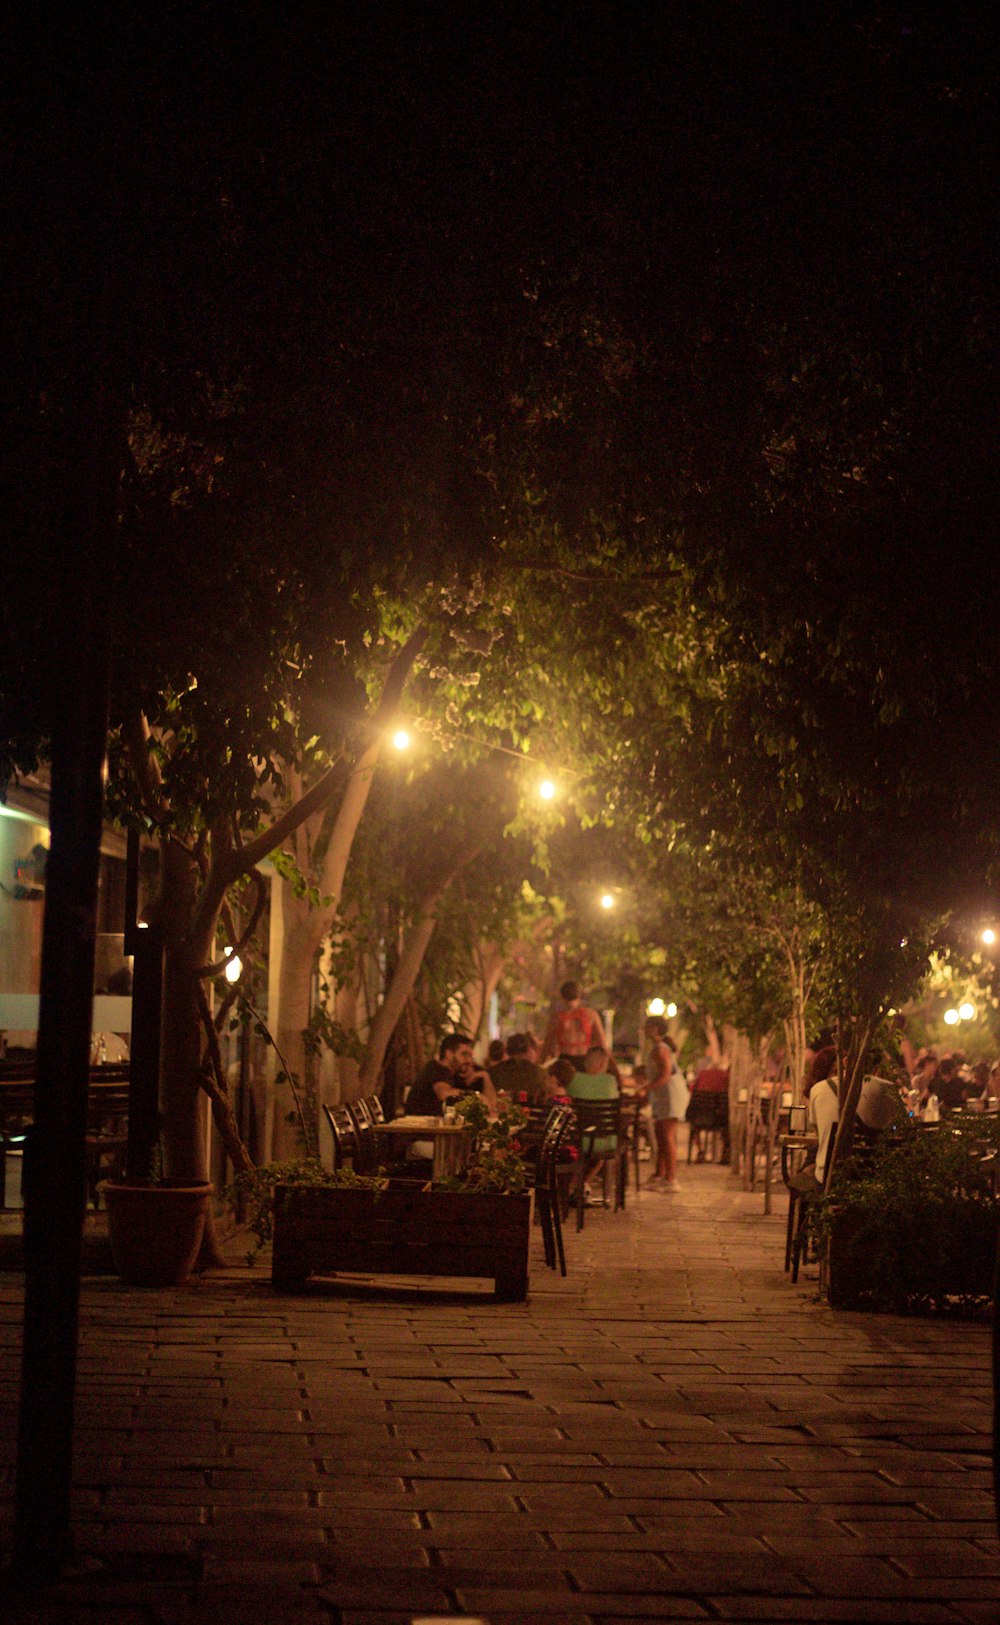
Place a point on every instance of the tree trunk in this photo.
(396, 996)
(298, 958)
(405, 976)
(183, 1105)
(478, 992)
(345, 1006)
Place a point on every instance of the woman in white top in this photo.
(668, 1098)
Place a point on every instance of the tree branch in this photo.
(410, 961)
(213, 1081)
(145, 767)
(329, 782)
(218, 968)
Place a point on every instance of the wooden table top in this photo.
(420, 1125)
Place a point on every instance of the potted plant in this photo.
(917, 1229)
(477, 1223)
(155, 1226)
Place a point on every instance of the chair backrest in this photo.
(345, 1139)
(373, 1107)
(366, 1160)
(597, 1119)
(560, 1126)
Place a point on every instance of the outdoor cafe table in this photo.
(451, 1140)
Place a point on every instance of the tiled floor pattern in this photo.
(673, 1432)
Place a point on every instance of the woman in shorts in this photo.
(668, 1098)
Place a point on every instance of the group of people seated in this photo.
(572, 1062)
(947, 1083)
(929, 1089)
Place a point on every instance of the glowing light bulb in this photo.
(671, 1010)
(951, 1018)
(607, 901)
(967, 1011)
(546, 790)
(401, 739)
(655, 1007)
(234, 965)
(989, 936)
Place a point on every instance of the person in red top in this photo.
(573, 1027)
(708, 1108)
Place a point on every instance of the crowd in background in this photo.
(573, 1062)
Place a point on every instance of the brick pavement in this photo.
(673, 1432)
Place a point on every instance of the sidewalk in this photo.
(672, 1433)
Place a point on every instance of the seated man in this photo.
(596, 1082)
(453, 1074)
(519, 1075)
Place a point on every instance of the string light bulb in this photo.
(607, 901)
(547, 790)
(401, 739)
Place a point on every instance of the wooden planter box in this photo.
(404, 1230)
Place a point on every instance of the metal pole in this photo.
(56, 1172)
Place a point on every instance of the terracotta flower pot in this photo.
(155, 1230)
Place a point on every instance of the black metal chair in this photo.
(559, 1128)
(345, 1136)
(632, 1135)
(597, 1122)
(364, 1131)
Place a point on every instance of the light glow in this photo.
(607, 901)
(234, 965)
(655, 1007)
(547, 790)
(671, 1011)
(967, 1011)
(951, 1018)
(989, 936)
(401, 739)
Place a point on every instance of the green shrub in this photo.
(253, 1191)
(917, 1228)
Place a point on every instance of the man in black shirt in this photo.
(451, 1076)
